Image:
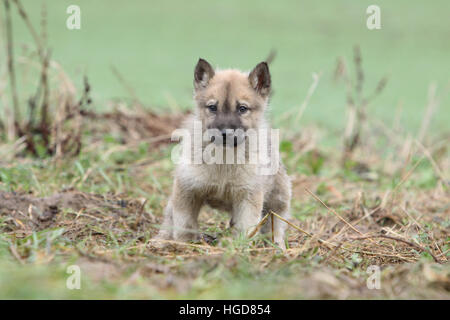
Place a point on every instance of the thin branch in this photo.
(127, 87)
(312, 88)
(301, 230)
(10, 61)
(427, 153)
(412, 244)
(407, 175)
(30, 27)
(334, 212)
(258, 226)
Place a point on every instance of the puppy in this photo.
(230, 104)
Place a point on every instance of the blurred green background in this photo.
(155, 45)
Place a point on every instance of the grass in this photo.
(383, 202)
(108, 235)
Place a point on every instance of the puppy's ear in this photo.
(202, 74)
(259, 79)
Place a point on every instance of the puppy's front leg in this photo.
(166, 231)
(186, 207)
(246, 212)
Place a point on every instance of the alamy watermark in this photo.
(73, 282)
(73, 22)
(373, 21)
(374, 280)
(258, 147)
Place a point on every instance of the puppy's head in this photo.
(230, 101)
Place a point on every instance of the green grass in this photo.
(156, 44)
(116, 263)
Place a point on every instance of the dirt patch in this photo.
(39, 213)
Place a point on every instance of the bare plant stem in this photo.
(10, 62)
(30, 27)
(412, 244)
(334, 212)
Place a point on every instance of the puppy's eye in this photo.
(242, 109)
(212, 108)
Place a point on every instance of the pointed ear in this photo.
(259, 79)
(202, 74)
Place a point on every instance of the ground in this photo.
(100, 211)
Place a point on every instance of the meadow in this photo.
(85, 167)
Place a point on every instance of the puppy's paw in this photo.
(160, 240)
